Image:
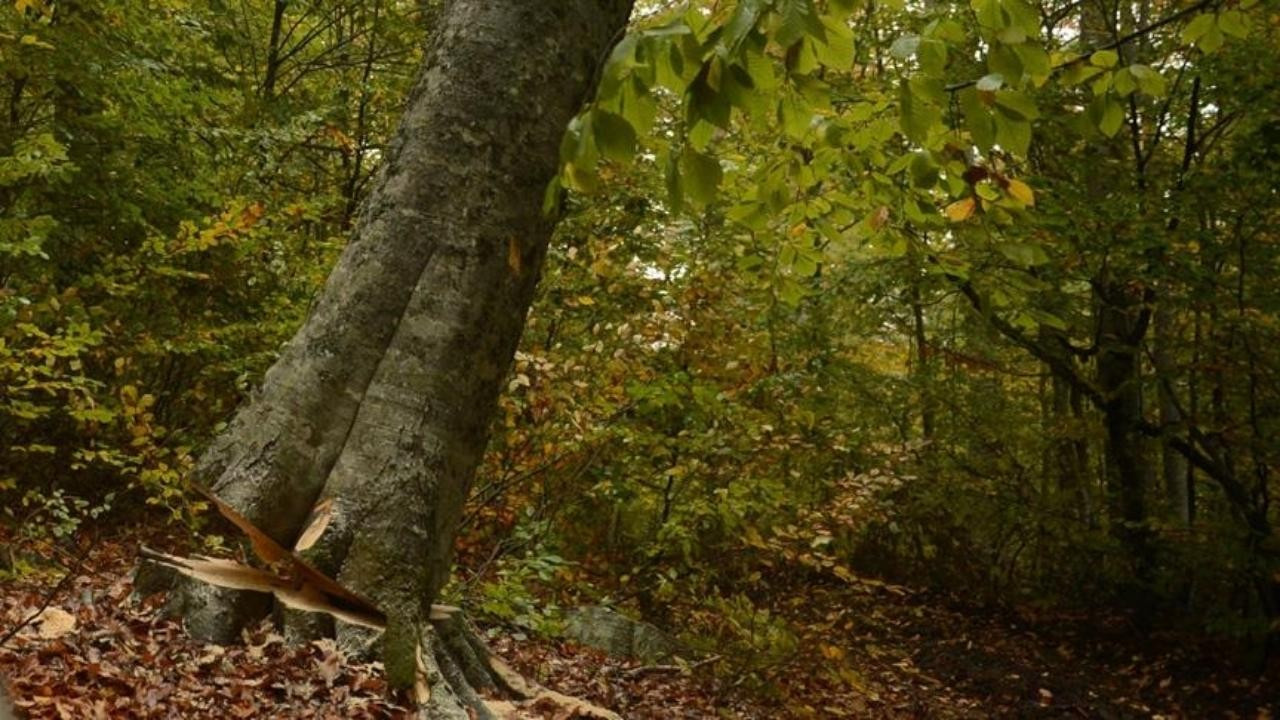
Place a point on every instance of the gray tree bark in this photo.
(381, 402)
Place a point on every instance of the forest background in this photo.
(972, 297)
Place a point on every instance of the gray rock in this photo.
(151, 577)
(618, 635)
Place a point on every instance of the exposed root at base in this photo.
(458, 670)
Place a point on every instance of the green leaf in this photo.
(932, 55)
(623, 55)
(1233, 23)
(798, 19)
(1005, 61)
(1035, 63)
(790, 291)
(760, 67)
(1197, 28)
(551, 198)
(580, 178)
(1024, 16)
(804, 264)
(990, 15)
(701, 175)
(614, 136)
(977, 119)
(638, 105)
(918, 117)
(1079, 73)
(948, 30)
(1104, 58)
(1017, 103)
(837, 51)
(795, 116)
(930, 90)
(1123, 82)
(1024, 254)
(924, 171)
(740, 91)
(1046, 319)
(576, 144)
(706, 103)
(752, 215)
(700, 135)
(1112, 117)
(1102, 84)
(669, 66)
(1149, 80)
(749, 263)
(1013, 134)
(740, 24)
(1012, 35)
(1212, 40)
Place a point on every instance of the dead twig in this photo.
(636, 672)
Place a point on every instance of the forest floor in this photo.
(878, 651)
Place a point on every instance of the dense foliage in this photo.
(173, 191)
(974, 296)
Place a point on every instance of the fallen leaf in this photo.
(55, 622)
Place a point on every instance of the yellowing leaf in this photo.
(960, 210)
(1021, 192)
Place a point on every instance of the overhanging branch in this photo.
(1123, 40)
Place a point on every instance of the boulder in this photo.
(618, 635)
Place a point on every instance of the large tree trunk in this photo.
(382, 401)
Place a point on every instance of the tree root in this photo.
(462, 675)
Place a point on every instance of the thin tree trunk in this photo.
(1080, 445)
(1121, 329)
(1068, 448)
(1174, 465)
(924, 369)
(355, 177)
(381, 402)
(272, 73)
